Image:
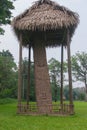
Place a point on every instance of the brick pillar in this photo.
(42, 81)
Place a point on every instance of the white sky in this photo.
(79, 40)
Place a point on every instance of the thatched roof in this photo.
(44, 16)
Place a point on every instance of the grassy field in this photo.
(9, 120)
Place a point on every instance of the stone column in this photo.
(42, 80)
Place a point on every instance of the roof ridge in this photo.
(39, 2)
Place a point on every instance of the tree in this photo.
(5, 13)
(25, 81)
(66, 92)
(78, 93)
(8, 75)
(55, 76)
(79, 68)
(54, 71)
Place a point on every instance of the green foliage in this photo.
(11, 121)
(78, 94)
(5, 93)
(8, 75)
(55, 77)
(82, 96)
(79, 68)
(55, 92)
(54, 71)
(25, 81)
(66, 92)
(5, 13)
(7, 100)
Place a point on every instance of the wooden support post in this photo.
(28, 86)
(69, 68)
(61, 90)
(20, 75)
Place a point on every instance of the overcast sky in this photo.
(79, 40)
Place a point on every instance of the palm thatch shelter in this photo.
(45, 24)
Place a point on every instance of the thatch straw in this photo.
(46, 15)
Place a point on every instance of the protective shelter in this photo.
(44, 24)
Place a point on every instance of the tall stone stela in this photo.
(42, 80)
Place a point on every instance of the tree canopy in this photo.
(8, 75)
(79, 67)
(5, 13)
(55, 76)
(25, 79)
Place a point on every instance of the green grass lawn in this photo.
(9, 120)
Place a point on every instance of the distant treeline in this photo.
(9, 77)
